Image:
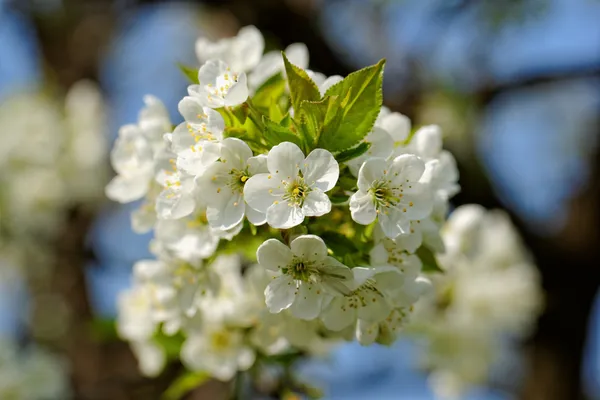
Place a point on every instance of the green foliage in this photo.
(275, 134)
(338, 243)
(359, 99)
(184, 384)
(268, 98)
(352, 153)
(318, 118)
(190, 73)
(301, 85)
(170, 344)
(430, 263)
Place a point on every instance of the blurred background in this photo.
(515, 85)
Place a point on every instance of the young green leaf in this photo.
(189, 72)
(352, 153)
(430, 263)
(185, 383)
(362, 98)
(268, 98)
(317, 117)
(275, 134)
(301, 85)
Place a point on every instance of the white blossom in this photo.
(219, 350)
(223, 185)
(242, 52)
(272, 63)
(391, 193)
(295, 186)
(307, 275)
(219, 85)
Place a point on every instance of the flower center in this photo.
(300, 270)
(223, 83)
(220, 340)
(385, 196)
(296, 192)
(238, 178)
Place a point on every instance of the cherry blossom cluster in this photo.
(488, 295)
(31, 373)
(290, 211)
(52, 156)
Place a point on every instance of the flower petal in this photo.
(227, 214)
(255, 217)
(309, 247)
(397, 125)
(338, 314)
(260, 191)
(284, 215)
(238, 93)
(366, 332)
(307, 304)
(316, 204)
(408, 167)
(320, 170)
(371, 171)
(235, 153)
(284, 160)
(280, 293)
(362, 208)
(274, 255)
(126, 190)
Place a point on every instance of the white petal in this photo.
(409, 168)
(421, 199)
(393, 223)
(274, 255)
(257, 164)
(362, 208)
(174, 205)
(191, 109)
(307, 304)
(329, 82)
(320, 170)
(260, 191)
(410, 241)
(370, 171)
(235, 153)
(280, 293)
(126, 190)
(378, 255)
(338, 315)
(361, 275)
(428, 141)
(284, 215)
(182, 139)
(227, 214)
(309, 247)
(238, 93)
(316, 204)
(196, 159)
(211, 69)
(284, 160)
(255, 217)
(297, 53)
(249, 48)
(366, 332)
(397, 125)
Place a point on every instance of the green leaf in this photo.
(104, 329)
(338, 243)
(190, 73)
(352, 153)
(275, 134)
(184, 384)
(362, 98)
(430, 263)
(347, 182)
(301, 86)
(318, 117)
(268, 98)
